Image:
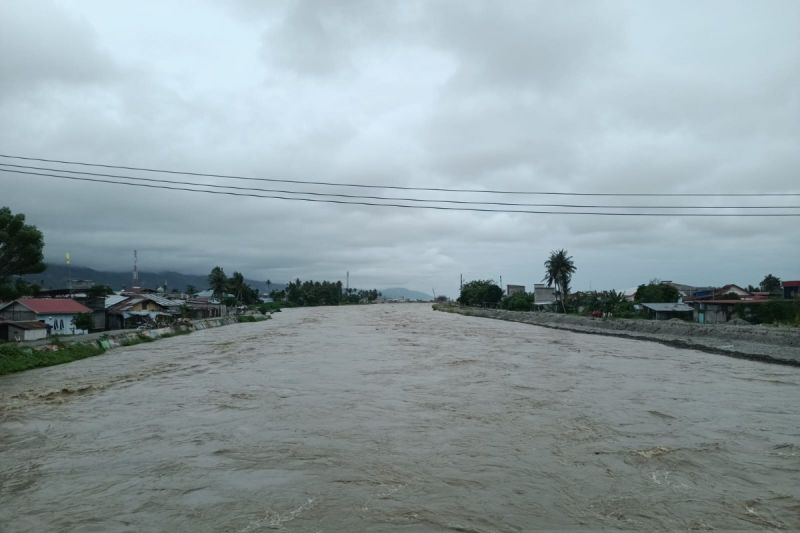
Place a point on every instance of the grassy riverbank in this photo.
(15, 358)
(18, 357)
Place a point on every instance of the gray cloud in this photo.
(46, 46)
(683, 97)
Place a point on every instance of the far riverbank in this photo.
(779, 345)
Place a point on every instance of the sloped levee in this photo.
(127, 337)
(54, 351)
(758, 343)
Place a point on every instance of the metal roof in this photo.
(114, 299)
(668, 307)
(24, 324)
(53, 306)
(732, 302)
(160, 300)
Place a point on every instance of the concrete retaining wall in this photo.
(761, 343)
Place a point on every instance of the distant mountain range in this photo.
(396, 293)
(57, 277)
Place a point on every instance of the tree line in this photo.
(311, 293)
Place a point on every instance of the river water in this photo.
(399, 418)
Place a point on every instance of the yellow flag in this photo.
(67, 257)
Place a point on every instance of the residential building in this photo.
(720, 311)
(666, 311)
(58, 314)
(791, 289)
(733, 289)
(26, 330)
(690, 292)
(543, 295)
(514, 289)
(126, 310)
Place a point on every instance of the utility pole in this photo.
(135, 269)
(68, 260)
(461, 286)
(347, 289)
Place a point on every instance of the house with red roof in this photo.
(791, 289)
(56, 313)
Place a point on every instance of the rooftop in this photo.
(53, 306)
(668, 307)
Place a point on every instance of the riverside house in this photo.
(26, 330)
(57, 314)
(131, 310)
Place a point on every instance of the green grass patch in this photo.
(252, 318)
(14, 358)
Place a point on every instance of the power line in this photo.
(396, 187)
(405, 206)
(393, 198)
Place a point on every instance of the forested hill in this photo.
(56, 276)
(400, 292)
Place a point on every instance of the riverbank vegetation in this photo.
(312, 293)
(15, 358)
(767, 306)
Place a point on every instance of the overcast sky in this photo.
(548, 96)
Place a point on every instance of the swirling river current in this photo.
(399, 418)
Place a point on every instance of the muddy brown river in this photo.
(399, 418)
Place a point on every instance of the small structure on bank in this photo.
(27, 330)
(721, 311)
(791, 289)
(668, 310)
(514, 289)
(544, 297)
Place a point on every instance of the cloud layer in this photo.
(596, 97)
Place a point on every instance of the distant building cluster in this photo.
(702, 304)
(76, 311)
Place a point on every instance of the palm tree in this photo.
(558, 270)
(218, 280)
(237, 285)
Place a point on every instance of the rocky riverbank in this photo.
(762, 343)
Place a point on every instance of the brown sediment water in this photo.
(396, 417)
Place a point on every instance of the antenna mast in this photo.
(135, 269)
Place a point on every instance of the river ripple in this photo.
(396, 417)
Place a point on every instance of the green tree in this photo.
(519, 301)
(191, 290)
(236, 285)
(771, 284)
(99, 291)
(218, 281)
(656, 292)
(480, 292)
(83, 321)
(559, 268)
(20, 246)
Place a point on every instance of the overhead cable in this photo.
(396, 187)
(394, 198)
(405, 206)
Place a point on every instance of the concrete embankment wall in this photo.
(761, 343)
(114, 339)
